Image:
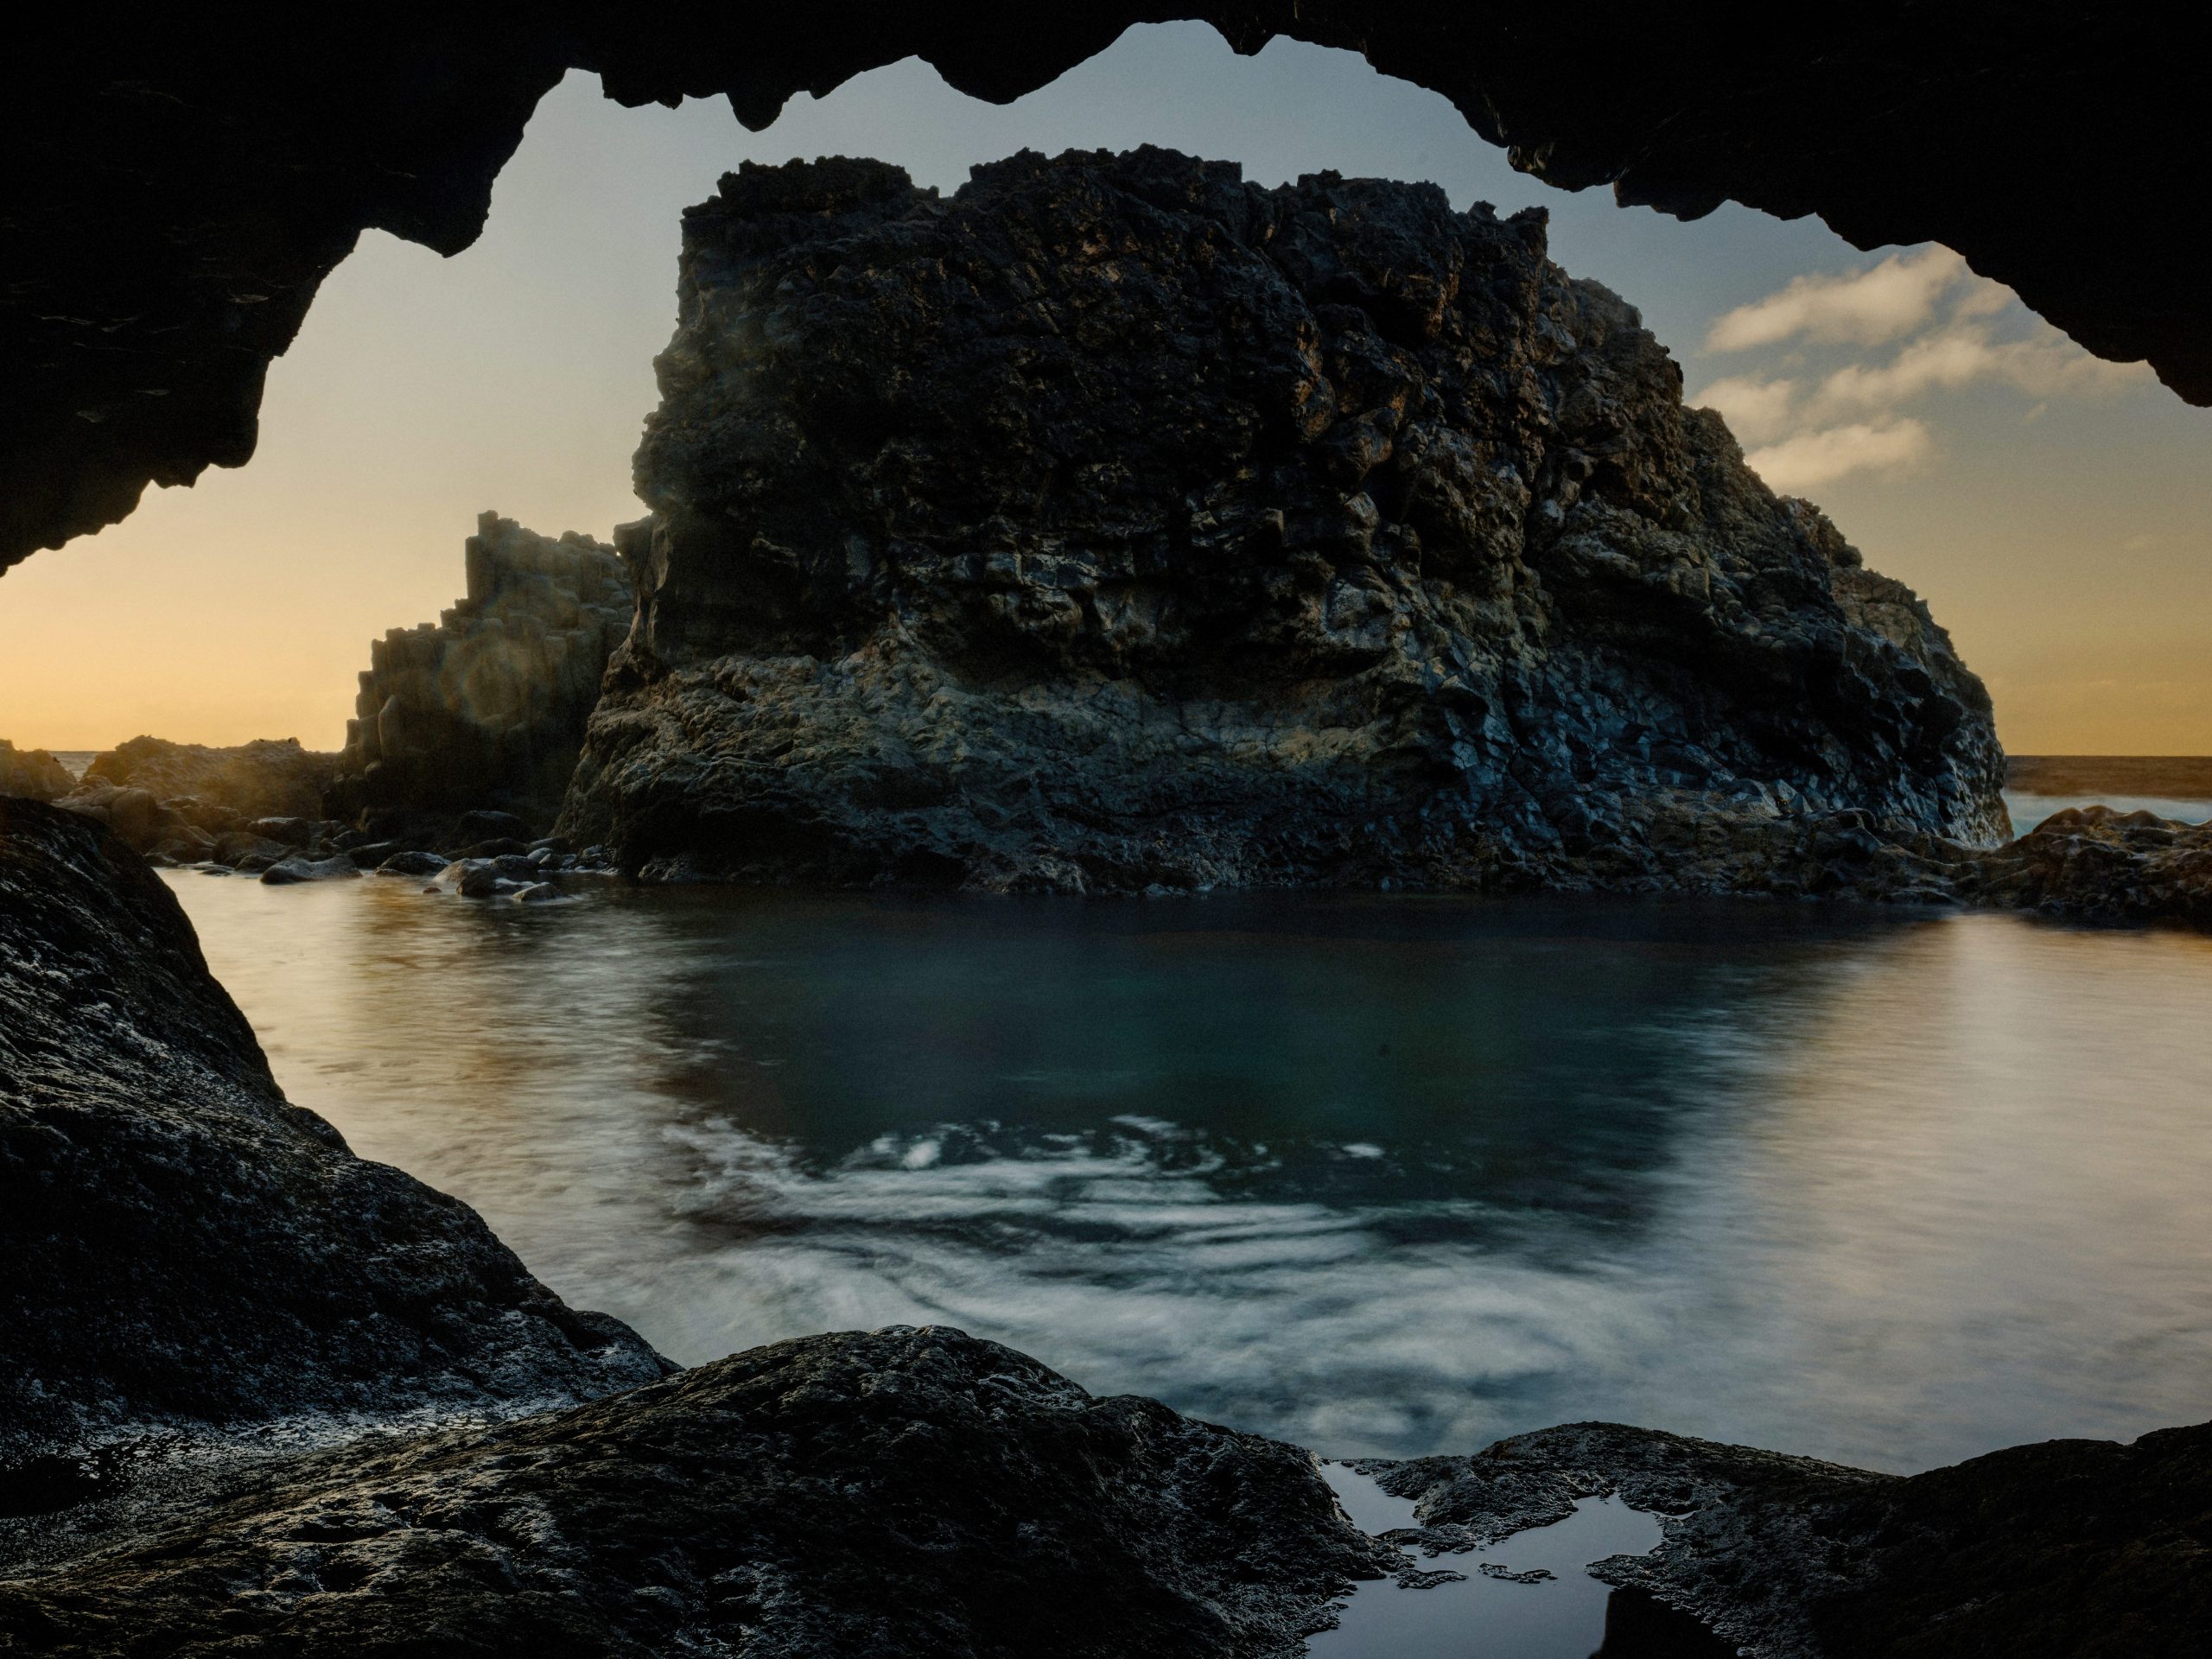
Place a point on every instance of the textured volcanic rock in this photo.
(32, 774)
(185, 1248)
(488, 705)
(904, 1492)
(179, 189)
(1116, 523)
(2071, 1547)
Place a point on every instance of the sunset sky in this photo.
(2056, 511)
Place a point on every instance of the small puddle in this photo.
(1559, 1617)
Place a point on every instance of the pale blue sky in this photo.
(2055, 516)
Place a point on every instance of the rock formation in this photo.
(265, 779)
(185, 1249)
(487, 707)
(1115, 524)
(2072, 1547)
(906, 1495)
(32, 774)
(180, 188)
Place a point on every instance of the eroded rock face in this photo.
(487, 706)
(185, 1249)
(2095, 864)
(32, 774)
(1114, 523)
(904, 1492)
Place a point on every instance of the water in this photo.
(1379, 1175)
(1561, 1618)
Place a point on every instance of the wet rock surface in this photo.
(187, 1251)
(903, 1493)
(488, 703)
(2075, 1547)
(1114, 524)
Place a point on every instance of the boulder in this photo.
(32, 774)
(287, 871)
(1114, 523)
(187, 1251)
(417, 864)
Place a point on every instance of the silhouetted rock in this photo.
(1114, 523)
(32, 774)
(184, 1248)
(488, 703)
(179, 798)
(179, 189)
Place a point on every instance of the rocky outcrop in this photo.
(486, 708)
(180, 188)
(2072, 1547)
(2095, 864)
(32, 774)
(186, 1249)
(1115, 524)
(910, 1492)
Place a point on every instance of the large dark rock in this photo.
(2082, 1548)
(1116, 522)
(186, 1249)
(911, 1492)
(179, 189)
(488, 703)
(32, 774)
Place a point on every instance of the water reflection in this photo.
(1380, 1176)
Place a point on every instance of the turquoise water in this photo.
(1380, 1175)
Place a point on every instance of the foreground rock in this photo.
(487, 707)
(1114, 523)
(903, 1493)
(32, 774)
(2095, 864)
(2075, 1548)
(185, 1249)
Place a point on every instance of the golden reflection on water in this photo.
(1391, 1177)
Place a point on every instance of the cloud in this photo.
(1755, 409)
(2045, 364)
(1865, 308)
(1810, 459)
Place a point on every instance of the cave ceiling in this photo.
(176, 189)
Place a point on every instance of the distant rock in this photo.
(32, 774)
(184, 1249)
(267, 778)
(1114, 524)
(488, 705)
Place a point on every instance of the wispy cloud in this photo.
(1810, 430)
(1865, 308)
(1808, 460)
